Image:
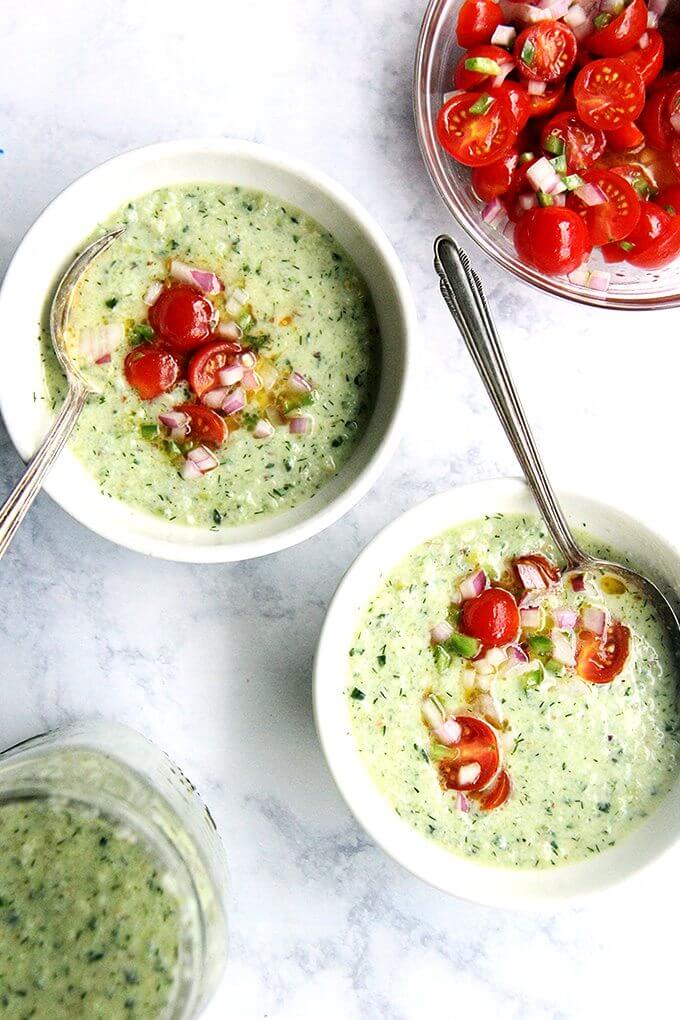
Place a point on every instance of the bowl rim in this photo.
(404, 849)
(390, 429)
(554, 285)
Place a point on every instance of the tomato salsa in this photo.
(568, 115)
(510, 710)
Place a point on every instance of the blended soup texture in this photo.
(588, 762)
(88, 924)
(311, 313)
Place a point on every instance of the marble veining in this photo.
(214, 662)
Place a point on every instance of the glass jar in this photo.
(117, 777)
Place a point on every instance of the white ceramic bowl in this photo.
(457, 875)
(48, 247)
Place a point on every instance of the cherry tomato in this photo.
(655, 120)
(205, 425)
(545, 51)
(477, 22)
(207, 361)
(492, 617)
(182, 317)
(627, 138)
(651, 225)
(517, 97)
(663, 249)
(582, 144)
(609, 93)
(637, 176)
(478, 745)
(464, 79)
(600, 659)
(151, 370)
(476, 139)
(497, 793)
(669, 199)
(622, 32)
(552, 240)
(548, 573)
(667, 82)
(649, 60)
(491, 181)
(542, 106)
(614, 219)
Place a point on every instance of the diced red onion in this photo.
(506, 68)
(300, 424)
(191, 471)
(531, 617)
(542, 176)
(658, 7)
(206, 281)
(527, 200)
(215, 398)
(599, 280)
(228, 330)
(531, 576)
(432, 713)
(234, 402)
(441, 632)
(575, 17)
(582, 31)
(504, 35)
(240, 295)
(516, 655)
(200, 459)
(564, 618)
(263, 429)
(590, 194)
(578, 582)
(523, 12)
(558, 8)
(580, 276)
(473, 585)
(231, 375)
(536, 88)
(298, 384)
(509, 230)
(268, 374)
(462, 803)
(251, 381)
(469, 774)
(153, 292)
(104, 360)
(594, 619)
(494, 212)
(174, 419)
(95, 344)
(448, 733)
(564, 647)
(248, 359)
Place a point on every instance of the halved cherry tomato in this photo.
(655, 122)
(637, 176)
(609, 93)
(662, 250)
(497, 794)
(477, 22)
(151, 370)
(476, 139)
(492, 617)
(182, 317)
(669, 199)
(205, 425)
(207, 361)
(545, 51)
(582, 144)
(627, 138)
(517, 97)
(464, 79)
(548, 573)
(651, 225)
(600, 659)
(542, 106)
(622, 32)
(649, 60)
(552, 240)
(495, 179)
(478, 745)
(614, 219)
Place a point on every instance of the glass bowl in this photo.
(436, 56)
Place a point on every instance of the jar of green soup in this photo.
(112, 880)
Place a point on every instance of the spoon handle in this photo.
(463, 294)
(20, 499)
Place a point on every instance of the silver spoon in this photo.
(462, 291)
(20, 499)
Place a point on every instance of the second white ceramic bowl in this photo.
(49, 246)
(460, 876)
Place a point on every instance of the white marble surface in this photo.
(214, 663)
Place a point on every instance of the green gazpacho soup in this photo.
(510, 712)
(237, 351)
(89, 926)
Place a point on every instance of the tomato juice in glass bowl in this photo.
(594, 280)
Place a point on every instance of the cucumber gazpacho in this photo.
(237, 351)
(510, 711)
